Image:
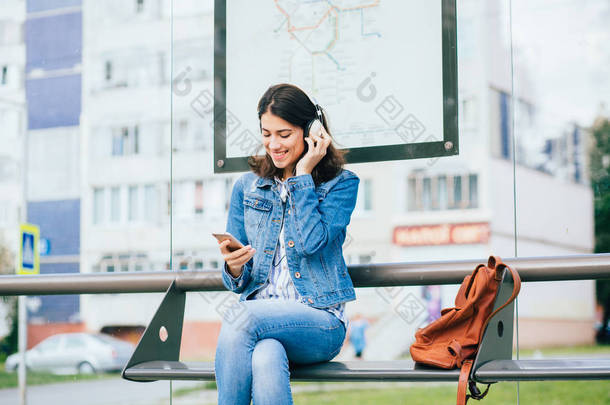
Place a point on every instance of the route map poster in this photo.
(375, 66)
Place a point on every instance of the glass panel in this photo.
(420, 210)
(561, 137)
(200, 198)
(84, 112)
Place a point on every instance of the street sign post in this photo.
(29, 255)
(29, 263)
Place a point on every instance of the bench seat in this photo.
(397, 370)
(544, 369)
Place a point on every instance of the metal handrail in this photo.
(549, 268)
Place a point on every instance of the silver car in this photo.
(71, 353)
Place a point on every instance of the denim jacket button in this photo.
(297, 274)
(290, 243)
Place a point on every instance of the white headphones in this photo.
(315, 125)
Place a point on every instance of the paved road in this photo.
(107, 391)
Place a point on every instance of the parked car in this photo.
(71, 353)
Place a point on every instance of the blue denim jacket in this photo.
(315, 222)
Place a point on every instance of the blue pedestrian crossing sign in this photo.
(29, 256)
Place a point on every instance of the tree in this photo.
(600, 182)
(9, 343)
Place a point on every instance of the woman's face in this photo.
(282, 141)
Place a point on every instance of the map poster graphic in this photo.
(29, 258)
(385, 72)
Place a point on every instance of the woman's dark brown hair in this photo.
(292, 104)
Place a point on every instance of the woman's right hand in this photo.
(237, 258)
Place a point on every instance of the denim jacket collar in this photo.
(263, 181)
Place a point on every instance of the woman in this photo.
(291, 213)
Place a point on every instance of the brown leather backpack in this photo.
(452, 340)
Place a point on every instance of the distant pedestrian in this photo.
(358, 326)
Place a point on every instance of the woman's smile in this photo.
(279, 155)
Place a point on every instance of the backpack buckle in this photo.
(475, 392)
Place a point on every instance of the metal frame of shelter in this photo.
(448, 146)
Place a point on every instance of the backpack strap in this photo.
(465, 385)
(462, 398)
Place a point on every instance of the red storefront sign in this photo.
(446, 234)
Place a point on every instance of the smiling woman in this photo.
(290, 213)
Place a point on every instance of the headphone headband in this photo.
(317, 106)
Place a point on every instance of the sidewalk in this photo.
(108, 391)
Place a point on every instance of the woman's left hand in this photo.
(318, 144)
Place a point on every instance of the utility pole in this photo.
(22, 300)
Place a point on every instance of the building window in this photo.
(150, 203)
(469, 111)
(133, 210)
(364, 199)
(98, 205)
(457, 192)
(123, 262)
(198, 197)
(115, 204)
(505, 125)
(427, 194)
(443, 201)
(473, 189)
(442, 192)
(188, 135)
(140, 204)
(126, 141)
(108, 71)
(180, 136)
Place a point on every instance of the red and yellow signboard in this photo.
(445, 234)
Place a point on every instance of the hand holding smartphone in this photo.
(233, 245)
(234, 252)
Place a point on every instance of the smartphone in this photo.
(233, 245)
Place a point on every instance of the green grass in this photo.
(548, 393)
(582, 350)
(9, 380)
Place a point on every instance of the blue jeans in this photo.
(254, 351)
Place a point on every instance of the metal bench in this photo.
(156, 358)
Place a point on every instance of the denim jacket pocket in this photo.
(256, 209)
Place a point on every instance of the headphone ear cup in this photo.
(308, 128)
